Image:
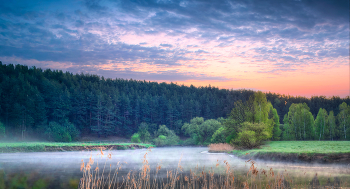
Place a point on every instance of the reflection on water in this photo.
(64, 166)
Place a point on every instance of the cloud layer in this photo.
(178, 40)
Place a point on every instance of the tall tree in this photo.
(321, 124)
(344, 118)
(298, 123)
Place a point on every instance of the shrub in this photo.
(135, 138)
(246, 139)
(162, 137)
(219, 136)
(160, 140)
(251, 135)
(170, 137)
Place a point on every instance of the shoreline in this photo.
(68, 147)
(329, 158)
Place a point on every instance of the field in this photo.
(309, 151)
(59, 146)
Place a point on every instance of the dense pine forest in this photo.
(36, 102)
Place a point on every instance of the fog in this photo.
(66, 165)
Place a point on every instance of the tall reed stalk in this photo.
(177, 179)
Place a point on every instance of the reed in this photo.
(221, 147)
(145, 178)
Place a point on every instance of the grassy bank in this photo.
(318, 151)
(8, 147)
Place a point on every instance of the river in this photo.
(64, 166)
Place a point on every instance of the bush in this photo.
(170, 137)
(162, 137)
(246, 139)
(160, 140)
(135, 138)
(219, 136)
(251, 135)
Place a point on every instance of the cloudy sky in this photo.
(296, 47)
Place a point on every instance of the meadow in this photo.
(9, 147)
(300, 151)
(302, 147)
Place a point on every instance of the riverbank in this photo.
(73, 146)
(300, 151)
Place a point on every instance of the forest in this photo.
(39, 103)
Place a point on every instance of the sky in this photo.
(295, 47)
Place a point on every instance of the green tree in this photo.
(261, 107)
(143, 132)
(298, 123)
(332, 126)
(321, 124)
(275, 122)
(344, 119)
(2, 131)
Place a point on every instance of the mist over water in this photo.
(63, 166)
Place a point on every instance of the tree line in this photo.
(53, 104)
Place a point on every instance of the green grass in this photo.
(301, 147)
(40, 146)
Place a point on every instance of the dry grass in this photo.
(198, 178)
(93, 178)
(222, 147)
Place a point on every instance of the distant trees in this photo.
(299, 123)
(32, 98)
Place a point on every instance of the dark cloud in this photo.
(166, 45)
(223, 17)
(94, 5)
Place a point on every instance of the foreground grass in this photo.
(301, 147)
(108, 177)
(45, 146)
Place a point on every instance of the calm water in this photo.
(62, 166)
